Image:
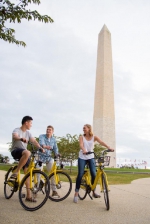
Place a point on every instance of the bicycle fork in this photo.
(101, 182)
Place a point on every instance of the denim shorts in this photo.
(17, 154)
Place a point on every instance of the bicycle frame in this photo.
(29, 170)
(98, 177)
(86, 187)
(53, 170)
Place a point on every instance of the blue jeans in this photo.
(81, 166)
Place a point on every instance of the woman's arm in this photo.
(81, 145)
(102, 143)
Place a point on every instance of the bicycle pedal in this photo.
(23, 195)
(10, 183)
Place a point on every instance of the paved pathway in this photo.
(129, 204)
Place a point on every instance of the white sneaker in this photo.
(75, 200)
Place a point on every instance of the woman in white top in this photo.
(87, 144)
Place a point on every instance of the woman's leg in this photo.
(81, 166)
(93, 175)
(92, 169)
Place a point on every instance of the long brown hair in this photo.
(90, 129)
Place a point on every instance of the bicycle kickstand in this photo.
(90, 196)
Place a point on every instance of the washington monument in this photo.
(104, 115)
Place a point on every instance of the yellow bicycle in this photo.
(36, 185)
(86, 187)
(60, 181)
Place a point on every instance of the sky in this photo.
(52, 79)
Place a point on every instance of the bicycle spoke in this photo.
(34, 198)
(83, 189)
(105, 190)
(62, 188)
(10, 186)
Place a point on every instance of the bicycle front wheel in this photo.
(10, 186)
(105, 189)
(34, 197)
(83, 189)
(60, 186)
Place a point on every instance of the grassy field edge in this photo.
(116, 176)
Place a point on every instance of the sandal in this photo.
(31, 200)
(96, 195)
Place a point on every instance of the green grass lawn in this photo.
(116, 178)
(124, 178)
(117, 169)
(113, 178)
(5, 166)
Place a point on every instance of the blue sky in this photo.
(53, 78)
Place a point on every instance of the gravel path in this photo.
(129, 204)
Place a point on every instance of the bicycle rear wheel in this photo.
(10, 186)
(105, 189)
(62, 188)
(83, 189)
(38, 193)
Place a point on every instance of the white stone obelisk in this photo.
(104, 115)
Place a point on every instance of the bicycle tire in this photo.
(105, 190)
(63, 188)
(9, 186)
(83, 189)
(40, 181)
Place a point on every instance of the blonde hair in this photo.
(90, 129)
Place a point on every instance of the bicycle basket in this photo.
(42, 157)
(104, 159)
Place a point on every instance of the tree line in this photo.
(4, 159)
(69, 148)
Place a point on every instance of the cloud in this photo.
(48, 81)
(53, 78)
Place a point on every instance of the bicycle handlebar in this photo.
(106, 150)
(55, 157)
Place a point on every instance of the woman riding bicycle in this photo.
(86, 142)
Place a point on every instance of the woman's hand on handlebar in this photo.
(111, 150)
(84, 152)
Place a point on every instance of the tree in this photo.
(15, 13)
(4, 159)
(98, 148)
(9, 146)
(32, 147)
(68, 148)
(1, 158)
